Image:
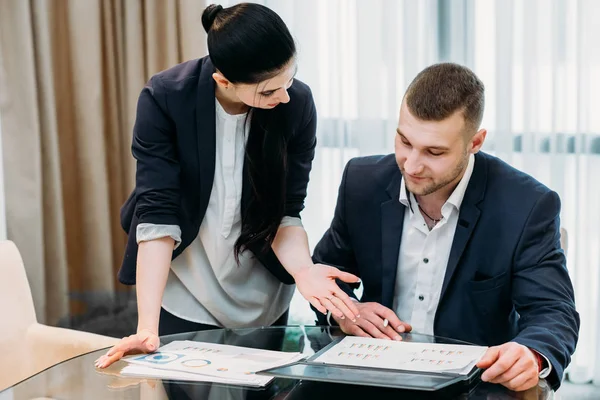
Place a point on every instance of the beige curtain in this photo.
(70, 74)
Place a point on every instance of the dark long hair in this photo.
(249, 43)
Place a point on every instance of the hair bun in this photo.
(209, 15)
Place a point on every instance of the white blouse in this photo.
(205, 284)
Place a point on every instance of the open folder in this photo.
(386, 363)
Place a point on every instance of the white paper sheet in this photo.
(409, 356)
(232, 364)
(149, 372)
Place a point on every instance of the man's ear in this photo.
(477, 140)
(221, 80)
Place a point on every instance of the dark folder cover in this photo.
(399, 379)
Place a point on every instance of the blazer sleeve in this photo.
(154, 148)
(335, 247)
(542, 290)
(300, 154)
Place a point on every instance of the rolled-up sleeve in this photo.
(290, 221)
(147, 232)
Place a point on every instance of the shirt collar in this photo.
(404, 194)
(455, 198)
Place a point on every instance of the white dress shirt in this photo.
(205, 284)
(424, 256)
(423, 259)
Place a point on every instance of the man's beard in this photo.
(434, 186)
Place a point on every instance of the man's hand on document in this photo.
(375, 321)
(512, 365)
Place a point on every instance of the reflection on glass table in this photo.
(78, 379)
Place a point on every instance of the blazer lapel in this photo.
(467, 217)
(206, 132)
(392, 220)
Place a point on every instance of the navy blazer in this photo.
(506, 278)
(174, 141)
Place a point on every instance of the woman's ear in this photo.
(221, 80)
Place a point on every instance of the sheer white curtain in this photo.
(540, 62)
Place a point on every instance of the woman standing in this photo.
(224, 146)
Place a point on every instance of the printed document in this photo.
(209, 362)
(407, 356)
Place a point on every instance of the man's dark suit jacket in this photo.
(506, 277)
(174, 141)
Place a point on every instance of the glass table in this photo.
(77, 378)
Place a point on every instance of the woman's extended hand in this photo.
(317, 284)
(144, 341)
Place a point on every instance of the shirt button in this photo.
(421, 297)
(426, 260)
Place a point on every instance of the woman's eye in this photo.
(268, 94)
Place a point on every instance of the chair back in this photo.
(17, 313)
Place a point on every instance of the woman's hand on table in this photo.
(145, 341)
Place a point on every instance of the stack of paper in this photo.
(407, 356)
(208, 362)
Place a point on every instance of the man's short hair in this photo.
(440, 90)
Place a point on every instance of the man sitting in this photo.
(451, 241)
